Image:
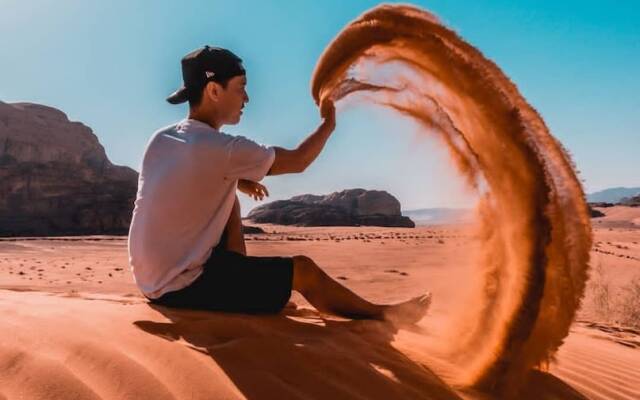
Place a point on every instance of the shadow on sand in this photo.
(300, 355)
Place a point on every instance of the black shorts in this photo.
(234, 282)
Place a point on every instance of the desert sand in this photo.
(75, 326)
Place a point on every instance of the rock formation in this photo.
(633, 201)
(594, 213)
(55, 178)
(352, 207)
(252, 230)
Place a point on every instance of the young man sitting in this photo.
(186, 246)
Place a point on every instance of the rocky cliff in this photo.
(352, 207)
(633, 201)
(55, 178)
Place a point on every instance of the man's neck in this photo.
(206, 118)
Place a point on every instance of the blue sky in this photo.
(111, 64)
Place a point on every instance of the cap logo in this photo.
(209, 74)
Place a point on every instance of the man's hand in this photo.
(328, 113)
(252, 189)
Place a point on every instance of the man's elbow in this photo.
(302, 163)
(298, 162)
(301, 166)
(289, 162)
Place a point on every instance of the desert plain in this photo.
(75, 325)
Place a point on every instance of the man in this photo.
(186, 246)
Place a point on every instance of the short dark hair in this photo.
(195, 98)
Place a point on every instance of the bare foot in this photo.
(291, 306)
(408, 312)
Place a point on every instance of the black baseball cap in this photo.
(206, 64)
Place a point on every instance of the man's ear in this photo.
(213, 91)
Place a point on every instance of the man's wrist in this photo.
(328, 125)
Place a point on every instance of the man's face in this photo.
(231, 100)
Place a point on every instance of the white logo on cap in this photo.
(209, 74)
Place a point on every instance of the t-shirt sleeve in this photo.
(248, 159)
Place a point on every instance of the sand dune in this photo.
(600, 366)
(619, 216)
(122, 350)
(118, 348)
(66, 336)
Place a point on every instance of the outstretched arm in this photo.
(297, 160)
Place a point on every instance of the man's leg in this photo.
(323, 292)
(328, 295)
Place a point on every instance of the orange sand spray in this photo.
(536, 233)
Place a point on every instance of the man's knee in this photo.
(305, 273)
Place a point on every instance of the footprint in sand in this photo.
(395, 271)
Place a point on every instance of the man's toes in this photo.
(424, 299)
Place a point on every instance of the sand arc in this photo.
(534, 223)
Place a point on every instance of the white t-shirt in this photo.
(186, 190)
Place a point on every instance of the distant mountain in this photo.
(55, 177)
(612, 195)
(439, 216)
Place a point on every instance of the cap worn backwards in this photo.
(206, 64)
